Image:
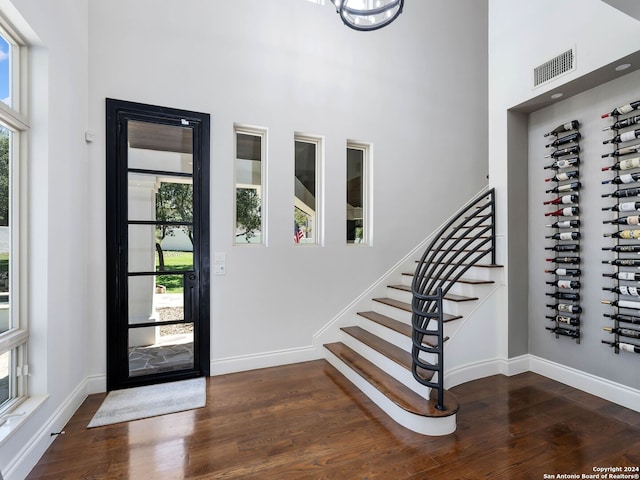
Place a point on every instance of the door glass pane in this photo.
(164, 242)
(153, 146)
(173, 352)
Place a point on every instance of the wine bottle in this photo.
(628, 192)
(564, 212)
(622, 303)
(624, 137)
(627, 347)
(568, 260)
(626, 164)
(564, 163)
(565, 151)
(565, 224)
(569, 247)
(628, 220)
(624, 248)
(566, 307)
(565, 319)
(626, 234)
(565, 236)
(623, 262)
(627, 178)
(564, 296)
(565, 127)
(572, 137)
(623, 151)
(624, 207)
(623, 276)
(625, 332)
(629, 107)
(624, 290)
(627, 122)
(569, 272)
(565, 199)
(566, 284)
(619, 317)
(564, 331)
(567, 187)
(559, 177)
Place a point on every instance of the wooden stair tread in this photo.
(447, 317)
(470, 281)
(397, 326)
(394, 390)
(389, 350)
(449, 296)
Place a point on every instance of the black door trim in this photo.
(117, 112)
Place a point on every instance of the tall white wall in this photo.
(292, 66)
(56, 182)
(523, 35)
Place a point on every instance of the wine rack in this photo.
(564, 269)
(623, 173)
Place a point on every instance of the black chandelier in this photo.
(366, 15)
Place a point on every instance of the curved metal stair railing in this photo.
(463, 242)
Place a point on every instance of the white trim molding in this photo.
(242, 363)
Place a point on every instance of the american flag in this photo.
(297, 233)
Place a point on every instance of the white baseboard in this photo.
(486, 368)
(243, 363)
(96, 384)
(600, 387)
(33, 449)
(614, 392)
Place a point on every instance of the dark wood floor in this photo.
(305, 421)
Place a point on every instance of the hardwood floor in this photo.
(306, 421)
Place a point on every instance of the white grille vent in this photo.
(563, 63)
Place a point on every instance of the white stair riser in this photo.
(391, 336)
(432, 426)
(388, 366)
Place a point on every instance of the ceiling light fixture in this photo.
(622, 67)
(557, 95)
(366, 15)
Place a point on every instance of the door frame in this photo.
(117, 112)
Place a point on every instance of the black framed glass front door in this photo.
(157, 244)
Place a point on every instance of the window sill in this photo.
(14, 419)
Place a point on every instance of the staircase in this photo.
(394, 350)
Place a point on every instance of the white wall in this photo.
(523, 35)
(590, 355)
(57, 192)
(291, 66)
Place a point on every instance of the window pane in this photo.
(5, 368)
(305, 201)
(5, 228)
(5, 71)
(248, 174)
(355, 195)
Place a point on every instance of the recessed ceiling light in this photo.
(557, 95)
(622, 67)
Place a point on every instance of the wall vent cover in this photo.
(563, 63)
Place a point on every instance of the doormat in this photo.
(150, 401)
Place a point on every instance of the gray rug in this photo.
(150, 401)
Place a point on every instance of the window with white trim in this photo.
(249, 170)
(358, 191)
(13, 328)
(306, 200)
